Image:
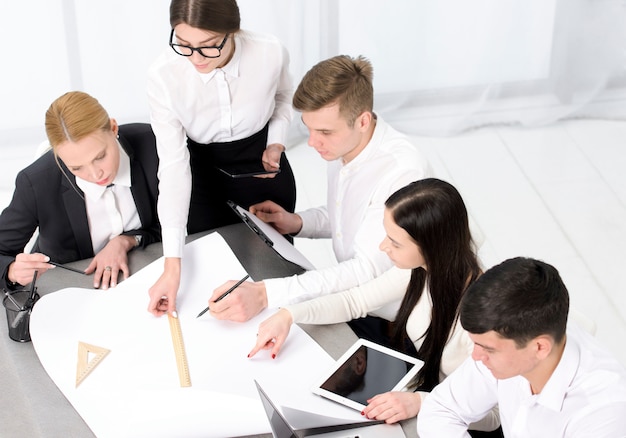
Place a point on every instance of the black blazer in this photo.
(47, 198)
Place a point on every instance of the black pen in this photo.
(221, 297)
(31, 298)
(28, 305)
(59, 265)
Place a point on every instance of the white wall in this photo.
(418, 48)
(421, 45)
(54, 46)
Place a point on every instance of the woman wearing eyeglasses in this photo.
(218, 96)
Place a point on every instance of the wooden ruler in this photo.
(84, 365)
(179, 351)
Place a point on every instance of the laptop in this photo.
(282, 429)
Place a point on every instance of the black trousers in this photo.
(211, 188)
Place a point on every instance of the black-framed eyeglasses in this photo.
(206, 51)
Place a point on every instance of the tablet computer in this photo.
(365, 370)
(246, 169)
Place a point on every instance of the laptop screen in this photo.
(279, 425)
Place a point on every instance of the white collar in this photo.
(232, 67)
(94, 191)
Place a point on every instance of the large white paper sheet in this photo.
(135, 390)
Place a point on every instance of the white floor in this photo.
(556, 193)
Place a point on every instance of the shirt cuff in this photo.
(173, 242)
(297, 311)
(276, 291)
(277, 132)
(304, 231)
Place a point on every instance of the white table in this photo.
(32, 405)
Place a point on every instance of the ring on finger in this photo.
(107, 268)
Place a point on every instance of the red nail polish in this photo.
(273, 356)
(362, 412)
(248, 356)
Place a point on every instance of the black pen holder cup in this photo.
(18, 306)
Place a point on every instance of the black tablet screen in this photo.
(366, 373)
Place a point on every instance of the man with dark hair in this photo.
(549, 378)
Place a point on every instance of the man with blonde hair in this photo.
(367, 161)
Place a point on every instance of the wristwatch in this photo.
(137, 240)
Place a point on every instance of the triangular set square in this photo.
(85, 366)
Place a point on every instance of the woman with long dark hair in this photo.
(429, 241)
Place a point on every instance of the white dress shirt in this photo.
(584, 397)
(353, 217)
(229, 103)
(110, 210)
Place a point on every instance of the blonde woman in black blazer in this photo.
(89, 150)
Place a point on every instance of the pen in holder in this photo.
(18, 305)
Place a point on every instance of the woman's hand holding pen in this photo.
(243, 303)
(22, 269)
(273, 332)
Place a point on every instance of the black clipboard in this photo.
(272, 238)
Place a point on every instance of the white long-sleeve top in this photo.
(229, 103)
(384, 289)
(584, 397)
(110, 215)
(353, 217)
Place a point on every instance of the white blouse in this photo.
(229, 103)
(375, 294)
(389, 287)
(112, 210)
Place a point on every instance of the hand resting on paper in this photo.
(271, 159)
(242, 304)
(23, 268)
(273, 332)
(273, 214)
(112, 259)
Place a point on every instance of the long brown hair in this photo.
(432, 212)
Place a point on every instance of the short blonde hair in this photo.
(339, 80)
(74, 116)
